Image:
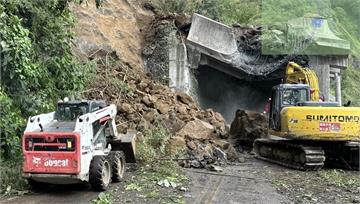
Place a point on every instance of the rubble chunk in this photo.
(184, 98)
(247, 127)
(196, 129)
(126, 108)
(215, 168)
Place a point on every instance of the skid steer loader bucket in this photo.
(127, 144)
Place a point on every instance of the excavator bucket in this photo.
(127, 144)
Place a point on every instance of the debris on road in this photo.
(215, 168)
(246, 128)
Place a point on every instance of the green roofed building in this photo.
(303, 36)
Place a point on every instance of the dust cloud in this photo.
(226, 94)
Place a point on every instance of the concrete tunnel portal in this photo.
(226, 94)
(216, 69)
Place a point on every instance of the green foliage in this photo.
(11, 181)
(239, 11)
(346, 16)
(11, 124)
(171, 6)
(339, 178)
(350, 86)
(207, 8)
(280, 11)
(148, 181)
(227, 11)
(103, 198)
(121, 86)
(153, 144)
(36, 61)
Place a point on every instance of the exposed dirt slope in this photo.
(119, 25)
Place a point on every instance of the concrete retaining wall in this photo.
(179, 74)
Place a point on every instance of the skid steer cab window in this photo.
(294, 96)
(70, 112)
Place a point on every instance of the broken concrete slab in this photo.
(235, 51)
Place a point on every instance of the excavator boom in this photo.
(295, 74)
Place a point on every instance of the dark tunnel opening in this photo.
(226, 94)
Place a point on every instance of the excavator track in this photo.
(292, 155)
(345, 156)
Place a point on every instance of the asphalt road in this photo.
(56, 194)
(236, 184)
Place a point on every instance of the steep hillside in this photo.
(118, 25)
(120, 28)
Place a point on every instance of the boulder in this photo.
(247, 127)
(151, 115)
(126, 108)
(191, 145)
(222, 144)
(181, 109)
(184, 98)
(147, 101)
(232, 154)
(174, 124)
(142, 85)
(162, 107)
(196, 129)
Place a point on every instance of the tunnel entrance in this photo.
(226, 94)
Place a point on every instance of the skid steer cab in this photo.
(77, 143)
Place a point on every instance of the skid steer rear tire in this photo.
(117, 159)
(100, 173)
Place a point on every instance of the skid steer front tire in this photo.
(100, 173)
(117, 159)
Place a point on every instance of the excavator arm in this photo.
(295, 74)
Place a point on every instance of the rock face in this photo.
(247, 127)
(156, 50)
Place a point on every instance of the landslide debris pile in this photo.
(142, 103)
(246, 128)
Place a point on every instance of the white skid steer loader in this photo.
(77, 143)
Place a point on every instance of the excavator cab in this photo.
(285, 95)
